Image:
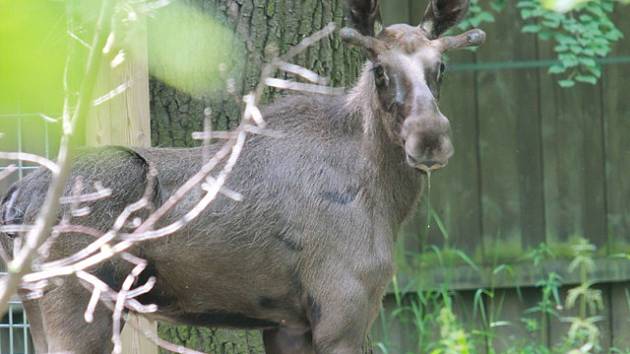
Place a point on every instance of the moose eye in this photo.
(441, 71)
(379, 76)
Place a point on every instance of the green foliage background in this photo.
(581, 35)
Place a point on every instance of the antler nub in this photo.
(362, 14)
(474, 37)
(353, 37)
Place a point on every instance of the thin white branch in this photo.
(48, 118)
(141, 234)
(113, 93)
(44, 222)
(79, 39)
(252, 111)
(7, 171)
(298, 86)
(24, 156)
(118, 59)
(302, 72)
(89, 310)
(109, 43)
(88, 197)
(120, 299)
(266, 132)
(147, 6)
(104, 247)
(236, 196)
(214, 135)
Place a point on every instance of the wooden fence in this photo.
(534, 164)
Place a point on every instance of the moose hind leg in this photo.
(36, 325)
(62, 312)
(340, 321)
(284, 341)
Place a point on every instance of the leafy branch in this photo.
(581, 35)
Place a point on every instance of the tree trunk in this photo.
(175, 115)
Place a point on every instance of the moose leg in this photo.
(65, 327)
(36, 325)
(340, 320)
(284, 341)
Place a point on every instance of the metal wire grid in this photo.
(23, 132)
(15, 337)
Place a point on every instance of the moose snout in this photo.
(427, 145)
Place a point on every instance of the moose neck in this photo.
(398, 185)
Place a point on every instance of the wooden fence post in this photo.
(125, 120)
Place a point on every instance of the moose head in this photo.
(406, 66)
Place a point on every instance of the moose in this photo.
(306, 256)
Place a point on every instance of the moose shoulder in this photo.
(307, 254)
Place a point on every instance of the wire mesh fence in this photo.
(34, 133)
(15, 335)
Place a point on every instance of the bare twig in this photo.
(79, 40)
(45, 219)
(302, 72)
(207, 134)
(88, 197)
(114, 242)
(269, 69)
(141, 264)
(8, 171)
(24, 156)
(298, 86)
(113, 93)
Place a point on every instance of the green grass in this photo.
(429, 320)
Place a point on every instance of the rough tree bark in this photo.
(259, 24)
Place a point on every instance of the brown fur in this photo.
(306, 256)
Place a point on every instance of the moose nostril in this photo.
(430, 163)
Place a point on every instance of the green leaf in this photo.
(530, 28)
(595, 70)
(556, 69)
(565, 39)
(566, 83)
(569, 60)
(586, 78)
(486, 17)
(525, 14)
(588, 62)
(586, 18)
(554, 23)
(561, 48)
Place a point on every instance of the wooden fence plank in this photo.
(125, 120)
(468, 313)
(620, 304)
(573, 161)
(416, 11)
(454, 191)
(396, 331)
(395, 11)
(511, 309)
(617, 127)
(509, 143)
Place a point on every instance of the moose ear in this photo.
(441, 15)
(362, 14)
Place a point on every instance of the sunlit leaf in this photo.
(189, 50)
